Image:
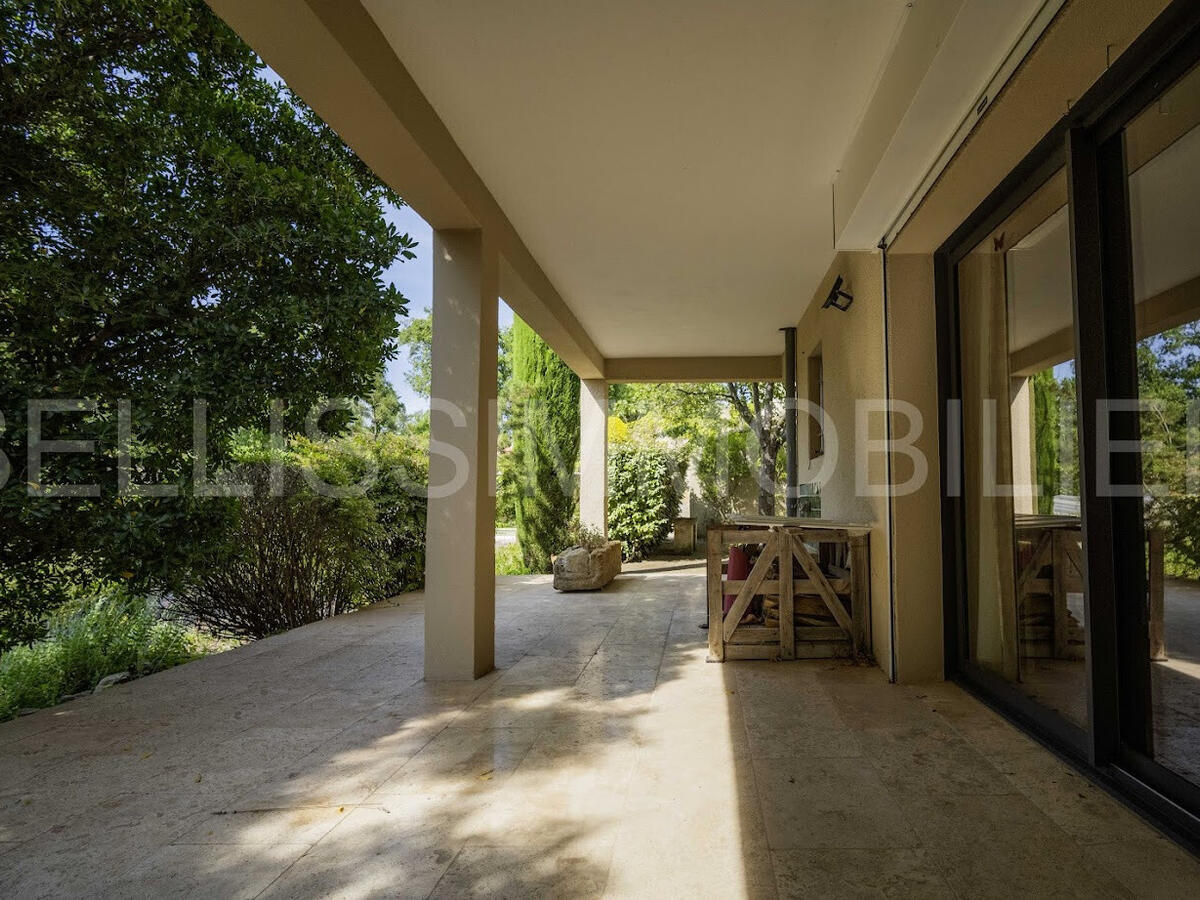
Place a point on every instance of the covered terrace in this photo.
(604, 757)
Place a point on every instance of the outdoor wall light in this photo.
(838, 299)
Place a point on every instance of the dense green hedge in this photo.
(643, 495)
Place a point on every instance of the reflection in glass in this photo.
(1163, 151)
(1025, 611)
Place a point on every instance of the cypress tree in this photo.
(1045, 421)
(545, 446)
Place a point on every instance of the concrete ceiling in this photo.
(668, 164)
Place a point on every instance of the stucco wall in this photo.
(916, 514)
(851, 347)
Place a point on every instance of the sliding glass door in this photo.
(1025, 613)
(1069, 324)
(1163, 176)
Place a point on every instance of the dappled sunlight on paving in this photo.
(603, 757)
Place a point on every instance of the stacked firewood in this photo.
(809, 610)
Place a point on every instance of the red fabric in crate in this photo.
(739, 570)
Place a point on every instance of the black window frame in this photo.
(1089, 143)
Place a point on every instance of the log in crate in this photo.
(814, 578)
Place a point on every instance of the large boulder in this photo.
(581, 569)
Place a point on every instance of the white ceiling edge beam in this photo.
(557, 330)
(333, 55)
(951, 58)
(918, 39)
(694, 369)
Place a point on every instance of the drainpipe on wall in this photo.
(790, 416)
(891, 507)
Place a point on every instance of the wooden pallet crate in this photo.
(1050, 567)
(816, 576)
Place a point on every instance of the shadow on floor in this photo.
(605, 756)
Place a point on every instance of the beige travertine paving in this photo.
(604, 757)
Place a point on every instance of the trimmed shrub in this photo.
(643, 495)
(545, 446)
(292, 555)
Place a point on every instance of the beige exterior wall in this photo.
(852, 361)
(916, 515)
(1024, 463)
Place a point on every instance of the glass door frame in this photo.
(1090, 142)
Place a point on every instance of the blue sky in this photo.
(414, 278)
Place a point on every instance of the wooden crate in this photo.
(1051, 566)
(817, 577)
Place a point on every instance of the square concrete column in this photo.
(593, 454)
(460, 554)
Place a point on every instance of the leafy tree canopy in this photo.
(174, 224)
(417, 338)
(1169, 380)
(703, 414)
(381, 411)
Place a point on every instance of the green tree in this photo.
(545, 410)
(507, 487)
(1169, 382)
(701, 413)
(417, 338)
(1068, 436)
(174, 225)
(504, 359)
(1045, 417)
(761, 408)
(381, 410)
(723, 471)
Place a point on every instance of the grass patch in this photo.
(88, 640)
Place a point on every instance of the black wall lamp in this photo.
(838, 299)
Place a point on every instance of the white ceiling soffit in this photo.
(667, 163)
(951, 57)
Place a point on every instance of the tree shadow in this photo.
(320, 762)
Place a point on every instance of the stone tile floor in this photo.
(604, 757)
